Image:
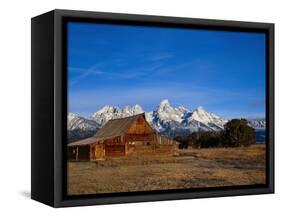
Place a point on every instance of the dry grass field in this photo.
(190, 168)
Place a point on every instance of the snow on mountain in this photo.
(149, 117)
(165, 119)
(201, 119)
(80, 127)
(112, 112)
(105, 114)
(75, 121)
(180, 121)
(71, 116)
(166, 112)
(257, 123)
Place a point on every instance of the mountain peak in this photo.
(137, 107)
(165, 119)
(112, 112)
(200, 109)
(133, 110)
(257, 123)
(108, 108)
(165, 112)
(164, 106)
(210, 120)
(164, 102)
(72, 114)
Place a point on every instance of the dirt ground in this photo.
(190, 168)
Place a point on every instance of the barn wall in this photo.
(139, 139)
(108, 148)
(114, 150)
(156, 150)
(140, 126)
(165, 140)
(149, 144)
(98, 152)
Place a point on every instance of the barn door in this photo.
(99, 151)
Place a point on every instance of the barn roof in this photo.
(117, 127)
(114, 127)
(83, 142)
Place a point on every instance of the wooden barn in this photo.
(120, 137)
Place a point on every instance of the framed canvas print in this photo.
(133, 108)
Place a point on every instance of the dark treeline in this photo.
(236, 133)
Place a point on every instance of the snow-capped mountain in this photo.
(165, 119)
(201, 119)
(80, 127)
(75, 121)
(112, 112)
(177, 121)
(166, 112)
(260, 125)
(257, 123)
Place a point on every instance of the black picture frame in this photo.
(49, 106)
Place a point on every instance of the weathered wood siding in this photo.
(140, 126)
(113, 147)
(114, 150)
(97, 151)
(139, 139)
(156, 150)
(165, 140)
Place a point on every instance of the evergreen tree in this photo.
(238, 133)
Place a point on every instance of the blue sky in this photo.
(125, 65)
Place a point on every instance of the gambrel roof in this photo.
(117, 127)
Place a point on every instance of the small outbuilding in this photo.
(120, 137)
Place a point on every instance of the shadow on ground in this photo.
(25, 194)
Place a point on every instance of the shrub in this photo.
(238, 133)
(210, 139)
